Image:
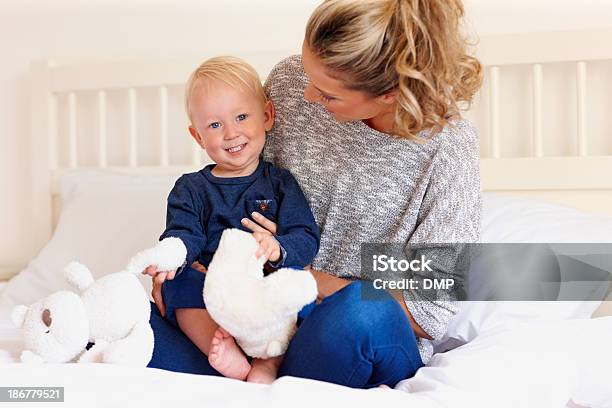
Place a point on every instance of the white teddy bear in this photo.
(260, 312)
(112, 312)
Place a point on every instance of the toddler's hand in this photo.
(159, 276)
(268, 246)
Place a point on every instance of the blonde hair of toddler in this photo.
(232, 71)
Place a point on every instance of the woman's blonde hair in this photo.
(233, 71)
(412, 46)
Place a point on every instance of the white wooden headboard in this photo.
(569, 164)
(90, 114)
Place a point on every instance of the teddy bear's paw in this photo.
(171, 253)
(30, 357)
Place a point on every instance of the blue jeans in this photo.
(343, 340)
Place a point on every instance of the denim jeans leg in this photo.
(354, 342)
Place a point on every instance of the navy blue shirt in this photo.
(201, 206)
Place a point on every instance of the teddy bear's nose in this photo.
(46, 317)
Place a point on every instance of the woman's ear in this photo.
(388, 98)
(269, 114)
(196, 136)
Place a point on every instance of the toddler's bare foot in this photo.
(226, 357)
(264, 371)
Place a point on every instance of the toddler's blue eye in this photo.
(215, 125)
(241, 117)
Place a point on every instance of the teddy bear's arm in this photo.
(169, 254)
(290, 289)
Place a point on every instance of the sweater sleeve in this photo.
(297, 233)
(449, 217)
(183, 219)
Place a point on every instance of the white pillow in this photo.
(106, 218)
(512, 219)
(515, 219)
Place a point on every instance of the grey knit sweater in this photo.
(365, 186)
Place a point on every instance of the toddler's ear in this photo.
(269, 114)
(18, 315)
(196, 136)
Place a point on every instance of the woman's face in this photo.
(344, 104)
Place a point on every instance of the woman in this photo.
(367, 120)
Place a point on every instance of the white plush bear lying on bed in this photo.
(260, 312)
(112, 312)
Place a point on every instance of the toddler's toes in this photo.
(227, 358)
(213, 353)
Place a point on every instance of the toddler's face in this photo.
(230, 124)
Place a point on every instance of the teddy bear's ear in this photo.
(78, 275)
(18, 315)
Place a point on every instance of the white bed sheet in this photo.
(531, 364)
(111, 385)
(105, 385)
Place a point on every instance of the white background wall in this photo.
(69, 29)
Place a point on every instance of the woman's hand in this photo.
(158, 279)
(418, 331)
(159, 275)
(156, 294)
